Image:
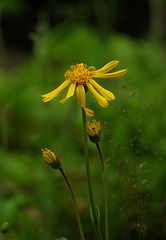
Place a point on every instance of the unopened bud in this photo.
(94, 131)
(51, 158)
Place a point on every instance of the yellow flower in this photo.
(94, 131)
(79, 77)
(51, 158)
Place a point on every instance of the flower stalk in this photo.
(56, 163)
(105, 191)
(74, 202)
(92, 202)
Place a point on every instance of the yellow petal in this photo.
(110, 75)
(89, 112)
(70, 93)
(82, 100)
(108, 67)
(101, 100)
(81, 95)
(107, 94)
(49, 96)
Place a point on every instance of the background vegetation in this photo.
(33, 197)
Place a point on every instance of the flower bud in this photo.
(51, 158)
(94, 131)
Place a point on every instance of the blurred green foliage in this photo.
(33, 197)
(11, 8)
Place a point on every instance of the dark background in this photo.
(129, 17)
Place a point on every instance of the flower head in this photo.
(80, 76)
(94, 131)
(51, 158)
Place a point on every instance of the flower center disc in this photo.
(79, 74)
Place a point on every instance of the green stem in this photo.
(74, 202)
(93, 207)
(105, 191)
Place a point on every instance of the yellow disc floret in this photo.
(79, 74)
